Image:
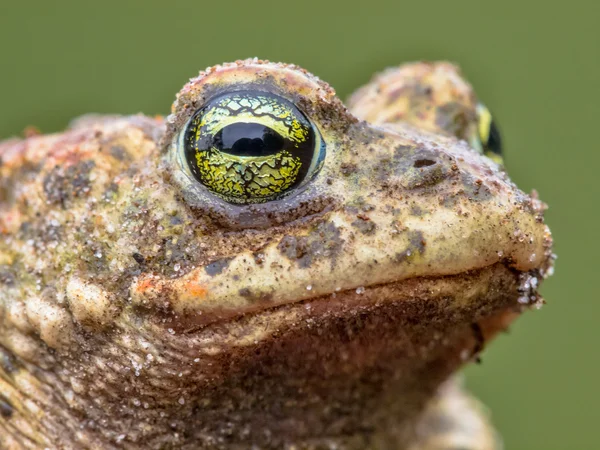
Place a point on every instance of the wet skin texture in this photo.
(138, 309)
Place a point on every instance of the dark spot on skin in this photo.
(259, 257)
(64, 185)
(416, 246)
(422, 90)
(423, 163)
(358, 206)
(323, 242)
(416, 210)
(348, 169)
(217, 267)
(294, 247)
(255, 296)
(6, 408)
(118, 152)
(426, 178)
(417, 92)
(25, 228)
(419, 167)
(453, 118)
(366, 207)
(474, 188)
(364, 225)
(111, 192)
(139, 258)
(6, 276)
(8, 362)
(51, 233)
(402, 150)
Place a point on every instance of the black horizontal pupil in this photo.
(248, 139)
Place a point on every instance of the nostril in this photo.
(423, 163)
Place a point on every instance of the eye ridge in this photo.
(246, 154)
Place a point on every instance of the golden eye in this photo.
(252, 147)
(488, 134)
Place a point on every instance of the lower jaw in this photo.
(355, 369)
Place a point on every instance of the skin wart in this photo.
(140, 310)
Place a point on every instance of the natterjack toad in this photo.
(263, 268)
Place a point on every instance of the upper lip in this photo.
(338, 261)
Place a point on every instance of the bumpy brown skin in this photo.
(137, 310)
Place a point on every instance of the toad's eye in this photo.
(488, 135)
(252, 147)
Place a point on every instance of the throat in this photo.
(354, 371)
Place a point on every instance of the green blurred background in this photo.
(536, 64)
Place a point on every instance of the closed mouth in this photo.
(465, 297)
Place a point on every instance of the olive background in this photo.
(536, 64)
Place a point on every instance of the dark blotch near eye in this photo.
(217, 267)
(323, 242)
(423, 163)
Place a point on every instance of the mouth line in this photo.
(473, 292)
